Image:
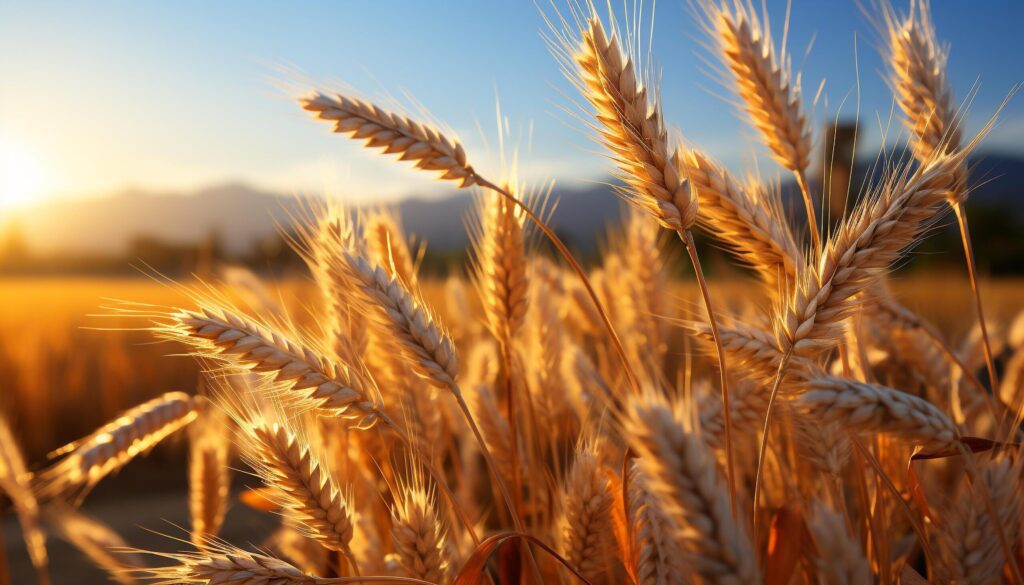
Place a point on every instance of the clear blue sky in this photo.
(107, 94)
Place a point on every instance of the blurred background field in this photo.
(64, 377)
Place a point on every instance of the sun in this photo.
(21, 176)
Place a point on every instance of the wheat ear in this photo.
(768, 90)
(219, 562)
(965, 538)
(15, 482)
(386, 245)
(839, 558)
(748, 219)
(499, 262)
(877, 234)
(419, 535)
(104, 547)
(310, 379)
(431, 149)
(209, 476)
(918, 77)
(659, 561)
(585, 523)
(113, 445)
(682, 474)
(630, 125)
(858, 406)
(397, 310)
(304, 487)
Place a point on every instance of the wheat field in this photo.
(536, 421)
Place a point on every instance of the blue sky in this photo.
(108, 94)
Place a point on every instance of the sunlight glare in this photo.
(21, 176)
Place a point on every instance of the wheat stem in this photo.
(965, 236)
(723, 371)
(783, 363)
(575, 266)
(812, 221)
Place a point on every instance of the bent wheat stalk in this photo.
(918, 77)
(403, 134)
(630, 126)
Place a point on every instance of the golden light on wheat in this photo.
(553, 430)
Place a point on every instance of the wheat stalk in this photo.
(113, 445)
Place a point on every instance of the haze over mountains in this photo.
(243, 216)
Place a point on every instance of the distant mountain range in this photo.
(242, 216)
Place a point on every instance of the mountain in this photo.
(242, 216)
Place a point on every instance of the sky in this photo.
(107, 95)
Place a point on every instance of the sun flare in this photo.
(22, 179)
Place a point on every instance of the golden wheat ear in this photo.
(209, 476)
(431, 149)
(15, 482)
(683, 477)
(113, 445)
